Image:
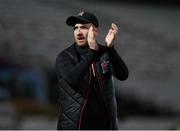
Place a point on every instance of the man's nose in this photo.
(79, 32)
(79, 29)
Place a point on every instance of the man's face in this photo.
(81, 33)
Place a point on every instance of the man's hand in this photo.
(111, 36)
(91, 39)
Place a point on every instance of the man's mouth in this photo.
(80, 38)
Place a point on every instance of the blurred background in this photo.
(33, 32)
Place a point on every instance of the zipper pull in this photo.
(92, 66)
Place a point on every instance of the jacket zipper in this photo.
(85, 101)
(101, 87)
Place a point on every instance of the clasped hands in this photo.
(109, 40)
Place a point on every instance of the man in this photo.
(84, 70)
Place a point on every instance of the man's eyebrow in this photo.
(81, 26)
(77, 26)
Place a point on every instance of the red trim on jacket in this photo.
(101, 88)
(85, 101)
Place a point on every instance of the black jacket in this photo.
(73, 80)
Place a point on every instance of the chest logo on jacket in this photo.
(105, 66)
(105, 63)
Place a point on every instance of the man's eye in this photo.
(84, 27)
(75, 28)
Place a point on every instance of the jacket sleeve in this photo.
(73, 72)
(120, 70)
